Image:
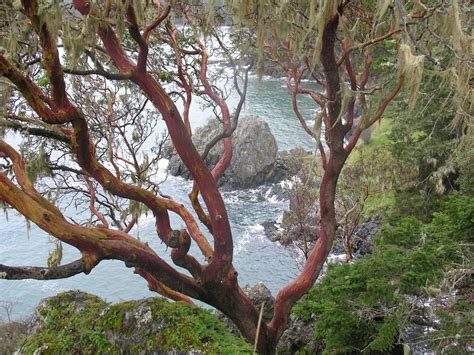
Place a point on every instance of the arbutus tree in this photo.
(92, 77)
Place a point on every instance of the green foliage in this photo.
(374, 173)
(92, 327)
(166, 76)
(365, 305)
(456, 331)
(43, 81)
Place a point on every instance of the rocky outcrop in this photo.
(361, 239)
(76, 322)
(254, 161)
(298, 338)
(261, 295)
(288, 233)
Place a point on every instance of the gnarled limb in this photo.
(42, 273)
(98, 243)
(156, 286)
(85, 153)
(35, 131)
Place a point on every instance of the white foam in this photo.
(253, 232)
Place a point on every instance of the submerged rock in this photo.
(76, 322)
(254, 160)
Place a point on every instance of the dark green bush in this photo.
(366, 305)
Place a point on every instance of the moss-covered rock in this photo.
(79, 323)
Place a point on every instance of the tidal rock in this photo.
(254, 160)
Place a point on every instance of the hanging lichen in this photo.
(412, 68)
(347, 97)
(50, 14)
(4, 208)
(5, 95)
(37, 165)
(56, 255)
(28, 227)
(461, 41)
(382, 7)
(327, 9)
(318, 120)
(139, 11)
(135, 210)
(77, 36)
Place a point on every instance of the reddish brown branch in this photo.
(19, 169)
(202, 215)
(159, 18)
(182, 77)
(297, 288)
(85, 153)
(92, 207)
(366, 44)
(51, 60)
(182, 142)
(32, 93)
(97, 243)
(158, 287)
(226, 157)
(378, 114)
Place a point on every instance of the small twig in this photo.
(259, 323)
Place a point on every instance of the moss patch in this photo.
(76, 322)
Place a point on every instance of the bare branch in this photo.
(42, 273)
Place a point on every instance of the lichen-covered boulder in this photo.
(76, 322)
(254, 160)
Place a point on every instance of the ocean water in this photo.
(255, 257)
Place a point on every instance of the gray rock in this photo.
(259, 294)
(254, 160)
(299, 338)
